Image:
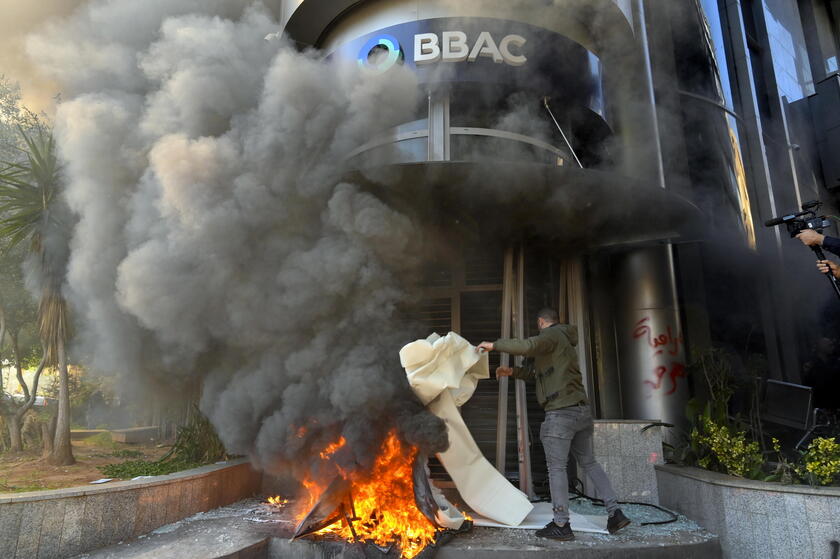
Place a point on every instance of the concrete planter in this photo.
(755, 519)
(628, 450)
(65, 522)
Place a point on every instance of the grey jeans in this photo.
(571, 429)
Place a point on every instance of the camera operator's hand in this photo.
(810, 238)
(824, 266)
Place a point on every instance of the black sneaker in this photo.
(553, 531)
(617, 521)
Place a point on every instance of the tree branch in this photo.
(16, 351)
(38, 372)
(30, 400)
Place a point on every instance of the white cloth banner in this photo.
(542, 515)
(443, 372)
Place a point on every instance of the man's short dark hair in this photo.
(548, 314)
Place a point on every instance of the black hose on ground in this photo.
(579, 494)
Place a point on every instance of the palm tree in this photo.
(30, 210)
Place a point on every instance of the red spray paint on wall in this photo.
(660, 344)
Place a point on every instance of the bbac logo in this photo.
(452, 46)
(380, 53)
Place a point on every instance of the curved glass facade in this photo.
(488, 100)
(713, 129)
(474, 133)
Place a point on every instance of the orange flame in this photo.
(278, 501)
(332, 448)
(383, 500)
(314, 492)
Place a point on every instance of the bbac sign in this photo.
(515, 55)
(452, 46)
(384, 50)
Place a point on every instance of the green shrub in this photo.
(196, 444)
(725, 450)
(820, 464)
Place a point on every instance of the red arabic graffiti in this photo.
(660, 344)
(671, 343)
(677, 371)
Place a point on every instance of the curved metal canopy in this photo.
(577, 207)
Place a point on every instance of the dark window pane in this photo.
(481, 319)
(465, 147)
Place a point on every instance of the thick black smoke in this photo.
(220, 239)
(215, 239)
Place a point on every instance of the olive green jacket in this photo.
(555, 365)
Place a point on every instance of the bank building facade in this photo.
(613, 159)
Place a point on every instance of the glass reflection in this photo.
(787, 46)
(717, 47)
(716, 159)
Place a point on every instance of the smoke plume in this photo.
(20, 17)
(219, 238)
(215, 239)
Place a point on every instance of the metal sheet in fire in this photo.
(334, 503)
(430, 500)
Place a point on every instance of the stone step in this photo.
(494, 543)
(253, 530)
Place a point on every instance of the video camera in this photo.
(807, 219)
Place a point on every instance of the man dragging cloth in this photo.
(568, 422)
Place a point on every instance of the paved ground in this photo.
(253, 530)
(219, 533)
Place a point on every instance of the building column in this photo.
(648, 329)
(439, 125)
(649, 337)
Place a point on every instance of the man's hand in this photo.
(810, 238)
(826, 266)
(503, 372)
(486, 346)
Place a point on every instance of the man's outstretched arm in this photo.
(529, 347)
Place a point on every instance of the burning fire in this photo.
(331, 449)
(385, 512)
